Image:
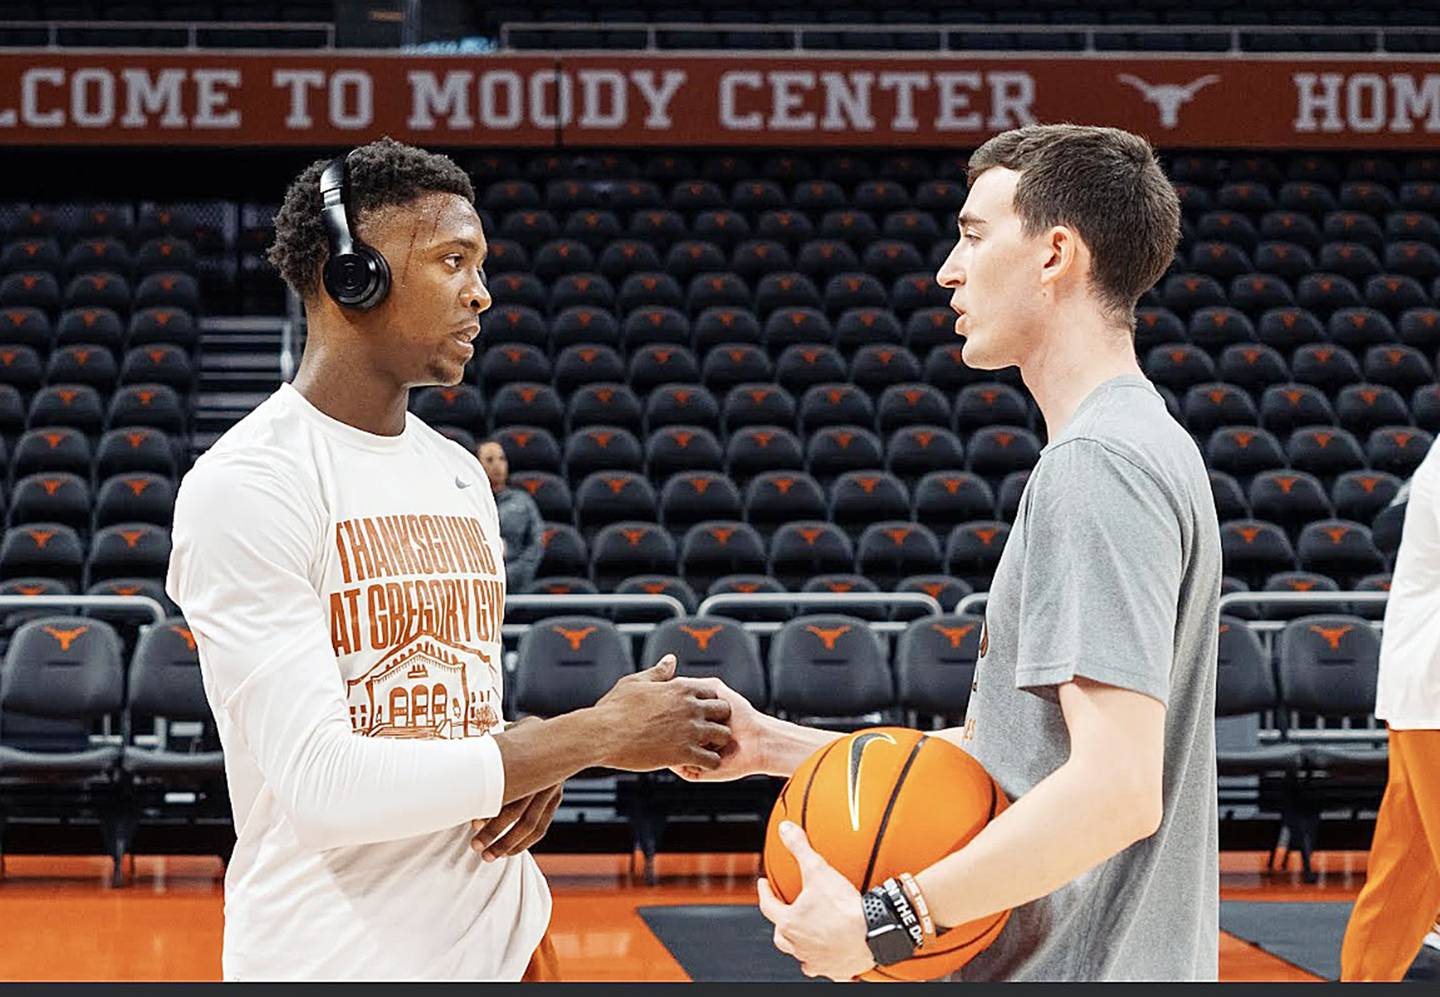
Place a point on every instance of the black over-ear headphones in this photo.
(355, 275)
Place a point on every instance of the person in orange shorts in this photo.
(1396, 909)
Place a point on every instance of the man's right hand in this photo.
(658, 721)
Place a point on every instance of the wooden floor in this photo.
(60, 920)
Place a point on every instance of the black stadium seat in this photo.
(935, 664)
(829, 668)
(567, 663)
(716, 548)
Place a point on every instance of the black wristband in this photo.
(886, 933)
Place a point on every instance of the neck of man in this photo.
(341, 381)
(1083, 351)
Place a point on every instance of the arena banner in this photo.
(635, 99)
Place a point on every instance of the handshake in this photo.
(699, 728)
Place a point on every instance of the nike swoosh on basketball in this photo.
(857, 751)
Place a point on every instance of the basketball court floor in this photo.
(62, 921)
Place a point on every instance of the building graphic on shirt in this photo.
(424, 689)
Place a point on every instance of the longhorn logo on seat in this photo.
(953, 634)
(829, 635)
(1332, 635)
(575, 637)
(66, 637)
(702, 635)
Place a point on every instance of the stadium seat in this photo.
(603, 403)
(1324, 451)
(613, 496)
(514, 362)
(655, 325)
(877, 367)
(996, 451)
(682, 448)
(830, 669)
(55, 497)
(754, 449)
(835, 404)
(460, 406)
(687, 499)
(973, 551)
(131, 550)
(1244, 686)
(1252, 367)
(527, 403)
(681, 404)
(1361, 408)
(1359, 496)
(1287, 407)
(131, 449)
(1253, 550)
(567, 663)
(529, 448)
(729, 364)
(1340, 549)
(600, 448)
(1208, 407)
(1398, 449)
(890, 550)
(716, 548)
(630, 548)
(81, 326)
(802, 367)
(858, 498)
(77, 406)
(1327, 666)
(833, 450)
(911, 404)
(935, 665)
(66, 669)
(802, 549)
(711, 647)
(165, 681)
(586, 364)
(778, 497)
(1244, 451)
(1289, 499)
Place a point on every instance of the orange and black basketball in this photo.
(881, 802)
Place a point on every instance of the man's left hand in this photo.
(517, 826)
(522, 822)
(825, 927)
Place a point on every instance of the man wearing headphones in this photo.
(339, 563)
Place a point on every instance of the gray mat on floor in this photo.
(1305, 934)
(717, 943)
(722, 943)
(1309, 935)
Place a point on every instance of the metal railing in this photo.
(803, 600)
(795, 34)
(133, 603)
(191, 31)
(585, 601)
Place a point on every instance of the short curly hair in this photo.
(384, 173)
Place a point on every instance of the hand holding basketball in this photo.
(824, 928)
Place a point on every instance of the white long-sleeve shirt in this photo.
(1408, 689)
(346, 592)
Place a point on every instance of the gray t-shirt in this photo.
(1112, 572)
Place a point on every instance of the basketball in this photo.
(880, 802)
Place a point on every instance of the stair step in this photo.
(240, 361)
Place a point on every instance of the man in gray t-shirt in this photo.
(1094, 692)
(1111, 573)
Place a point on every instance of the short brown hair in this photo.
(1107, 185)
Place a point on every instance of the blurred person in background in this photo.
(521, 526)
